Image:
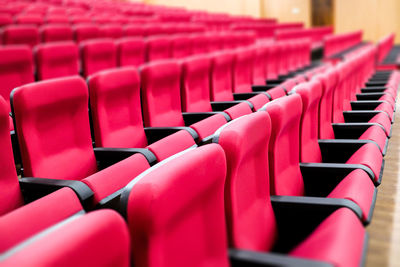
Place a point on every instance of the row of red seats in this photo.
(316, 34)
(252, 140)
(337, 43)
(63, 58)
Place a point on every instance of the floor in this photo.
(384, 230)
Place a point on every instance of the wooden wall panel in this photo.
(288, 10)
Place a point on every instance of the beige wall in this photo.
(376, 17)
(288, 10)
(234, 7)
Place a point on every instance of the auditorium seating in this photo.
(54, 60)
(253, 216)
(59, 232)
(184, 116)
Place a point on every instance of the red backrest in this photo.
(195, 91)
(31, 19)
(250, 218)
(57, 59)
(20, 34)
(172, 144)
(206, 127)
(116, 109)
(130, 51)
(328, 81)
(259, 65)
(5, 19)
(10, 197)
(272, 63)
(199, 43)
(310, 93)
(158, 47)
(221, 76)
(181, 46)
(16, 69)
(111, 31)
(338, 94)
(283, 150)
(243, 70)
(181, 195)
(57, 18)
(78, 19)
(52, 124)
(85, 31)
(55, 33)
(160, 85)
(98, 55)
(134, 30)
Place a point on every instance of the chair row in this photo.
(272, 135)
(62, 59)
(337, 43)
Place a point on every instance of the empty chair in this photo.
(181, 46)
(53, 154)
(185, 194)
(288, 148)
(78, 19)
(5, 19)
(57, 19)
(56, 33)
(110, 31)
(20, 34)
(16, 69)
(242, 70)
(136, 30)
(55, 60)
(199, 43)
(84, 32)
(58, 225)
(98, 55)
(31, 19)
(158, 47)
(290, 227)
(130, 51)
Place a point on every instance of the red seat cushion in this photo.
(238, 110)
(370, 156)
(377, 134)
(338, 239)
(357, 187)
(259, 101)
(383, 119)
(387, 108)
(208, 126)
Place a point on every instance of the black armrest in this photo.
(222, 105)
(154, 134)
(352, 130)
(244, 96)
(260, 88)
(339, 151)
(375, 83)
(365, 105)
(297, 217)
(193, 117)
(361, 115)
(34, 188)
(244, 258)
(374, 89)
(370, 96)
(321, 178)
(108, 156)
(275, 81)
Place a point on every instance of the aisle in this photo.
(384, 230)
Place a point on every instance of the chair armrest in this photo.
(297, 217)
(365, 105)
(222, 105)
(375, 83)
(154, 134)
(352, 130)
(374, 89)
(339, 151)
(361, 115)
(244, 258)
(108, 156)
(193, 117)
(321, 178)
(370, 96)
(260, 88)
(34, 188)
